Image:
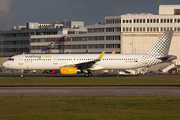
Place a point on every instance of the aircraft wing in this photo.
(87, 64)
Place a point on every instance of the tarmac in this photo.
(82, 75)
(92, 91)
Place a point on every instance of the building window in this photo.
(96, 30)
(147, 20)
(130, 21)
(178, 29)
(109, 29)
(143, 28)
(109, 37)
(140, 20)
(161, 29)
(92, 46)
(157, 20)
(151, 29)
(109, 21)
(161, 20)
(101, 38)
(137, 20)
(101, 29)
(117, 29)
(90, 30)
(175, 20)
(117, 37)
(134, 21)
(127, 29)
(154, 29)
(164, 20)
(176, 11)
(137, 29)
(164, 29)
(178, 20)
(154, 20)
(171, 20)
(123, 21)
(117, 46)
(130, 29)
(117, 20)
(167, 20)
(109, 45)
(134, 29)
(144, 20)
(127, 21)
(101, 46)
(151, 20)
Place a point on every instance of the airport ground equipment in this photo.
(175, 63)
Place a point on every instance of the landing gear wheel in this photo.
(90, 74)
(22, 73)
(86, 75)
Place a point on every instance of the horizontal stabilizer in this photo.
(168, 58)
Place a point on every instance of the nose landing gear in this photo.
(22, 73)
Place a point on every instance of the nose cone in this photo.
(5, 64)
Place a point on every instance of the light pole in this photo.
(132, 44)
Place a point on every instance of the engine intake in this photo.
(69, 70)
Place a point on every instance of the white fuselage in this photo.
(55, 61)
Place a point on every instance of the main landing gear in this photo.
(89, 74)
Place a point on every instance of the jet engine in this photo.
(69, 70)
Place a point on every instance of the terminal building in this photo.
(129, 33)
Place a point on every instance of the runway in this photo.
(82, 75)
(91, 91)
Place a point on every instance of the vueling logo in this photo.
(46, 56)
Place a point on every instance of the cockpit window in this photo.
(11, 59)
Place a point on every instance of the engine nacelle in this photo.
(69, 70)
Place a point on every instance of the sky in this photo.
(18, 12)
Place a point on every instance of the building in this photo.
(80, 39)
(52, 43)
(130, 33)
(17, 40)
(141, 31)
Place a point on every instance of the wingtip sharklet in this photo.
(100, 57)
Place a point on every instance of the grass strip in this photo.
(88, 108)
(93, 81)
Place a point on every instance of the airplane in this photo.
(85, 63)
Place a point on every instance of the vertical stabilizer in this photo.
(159, 50)
(161, 47)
